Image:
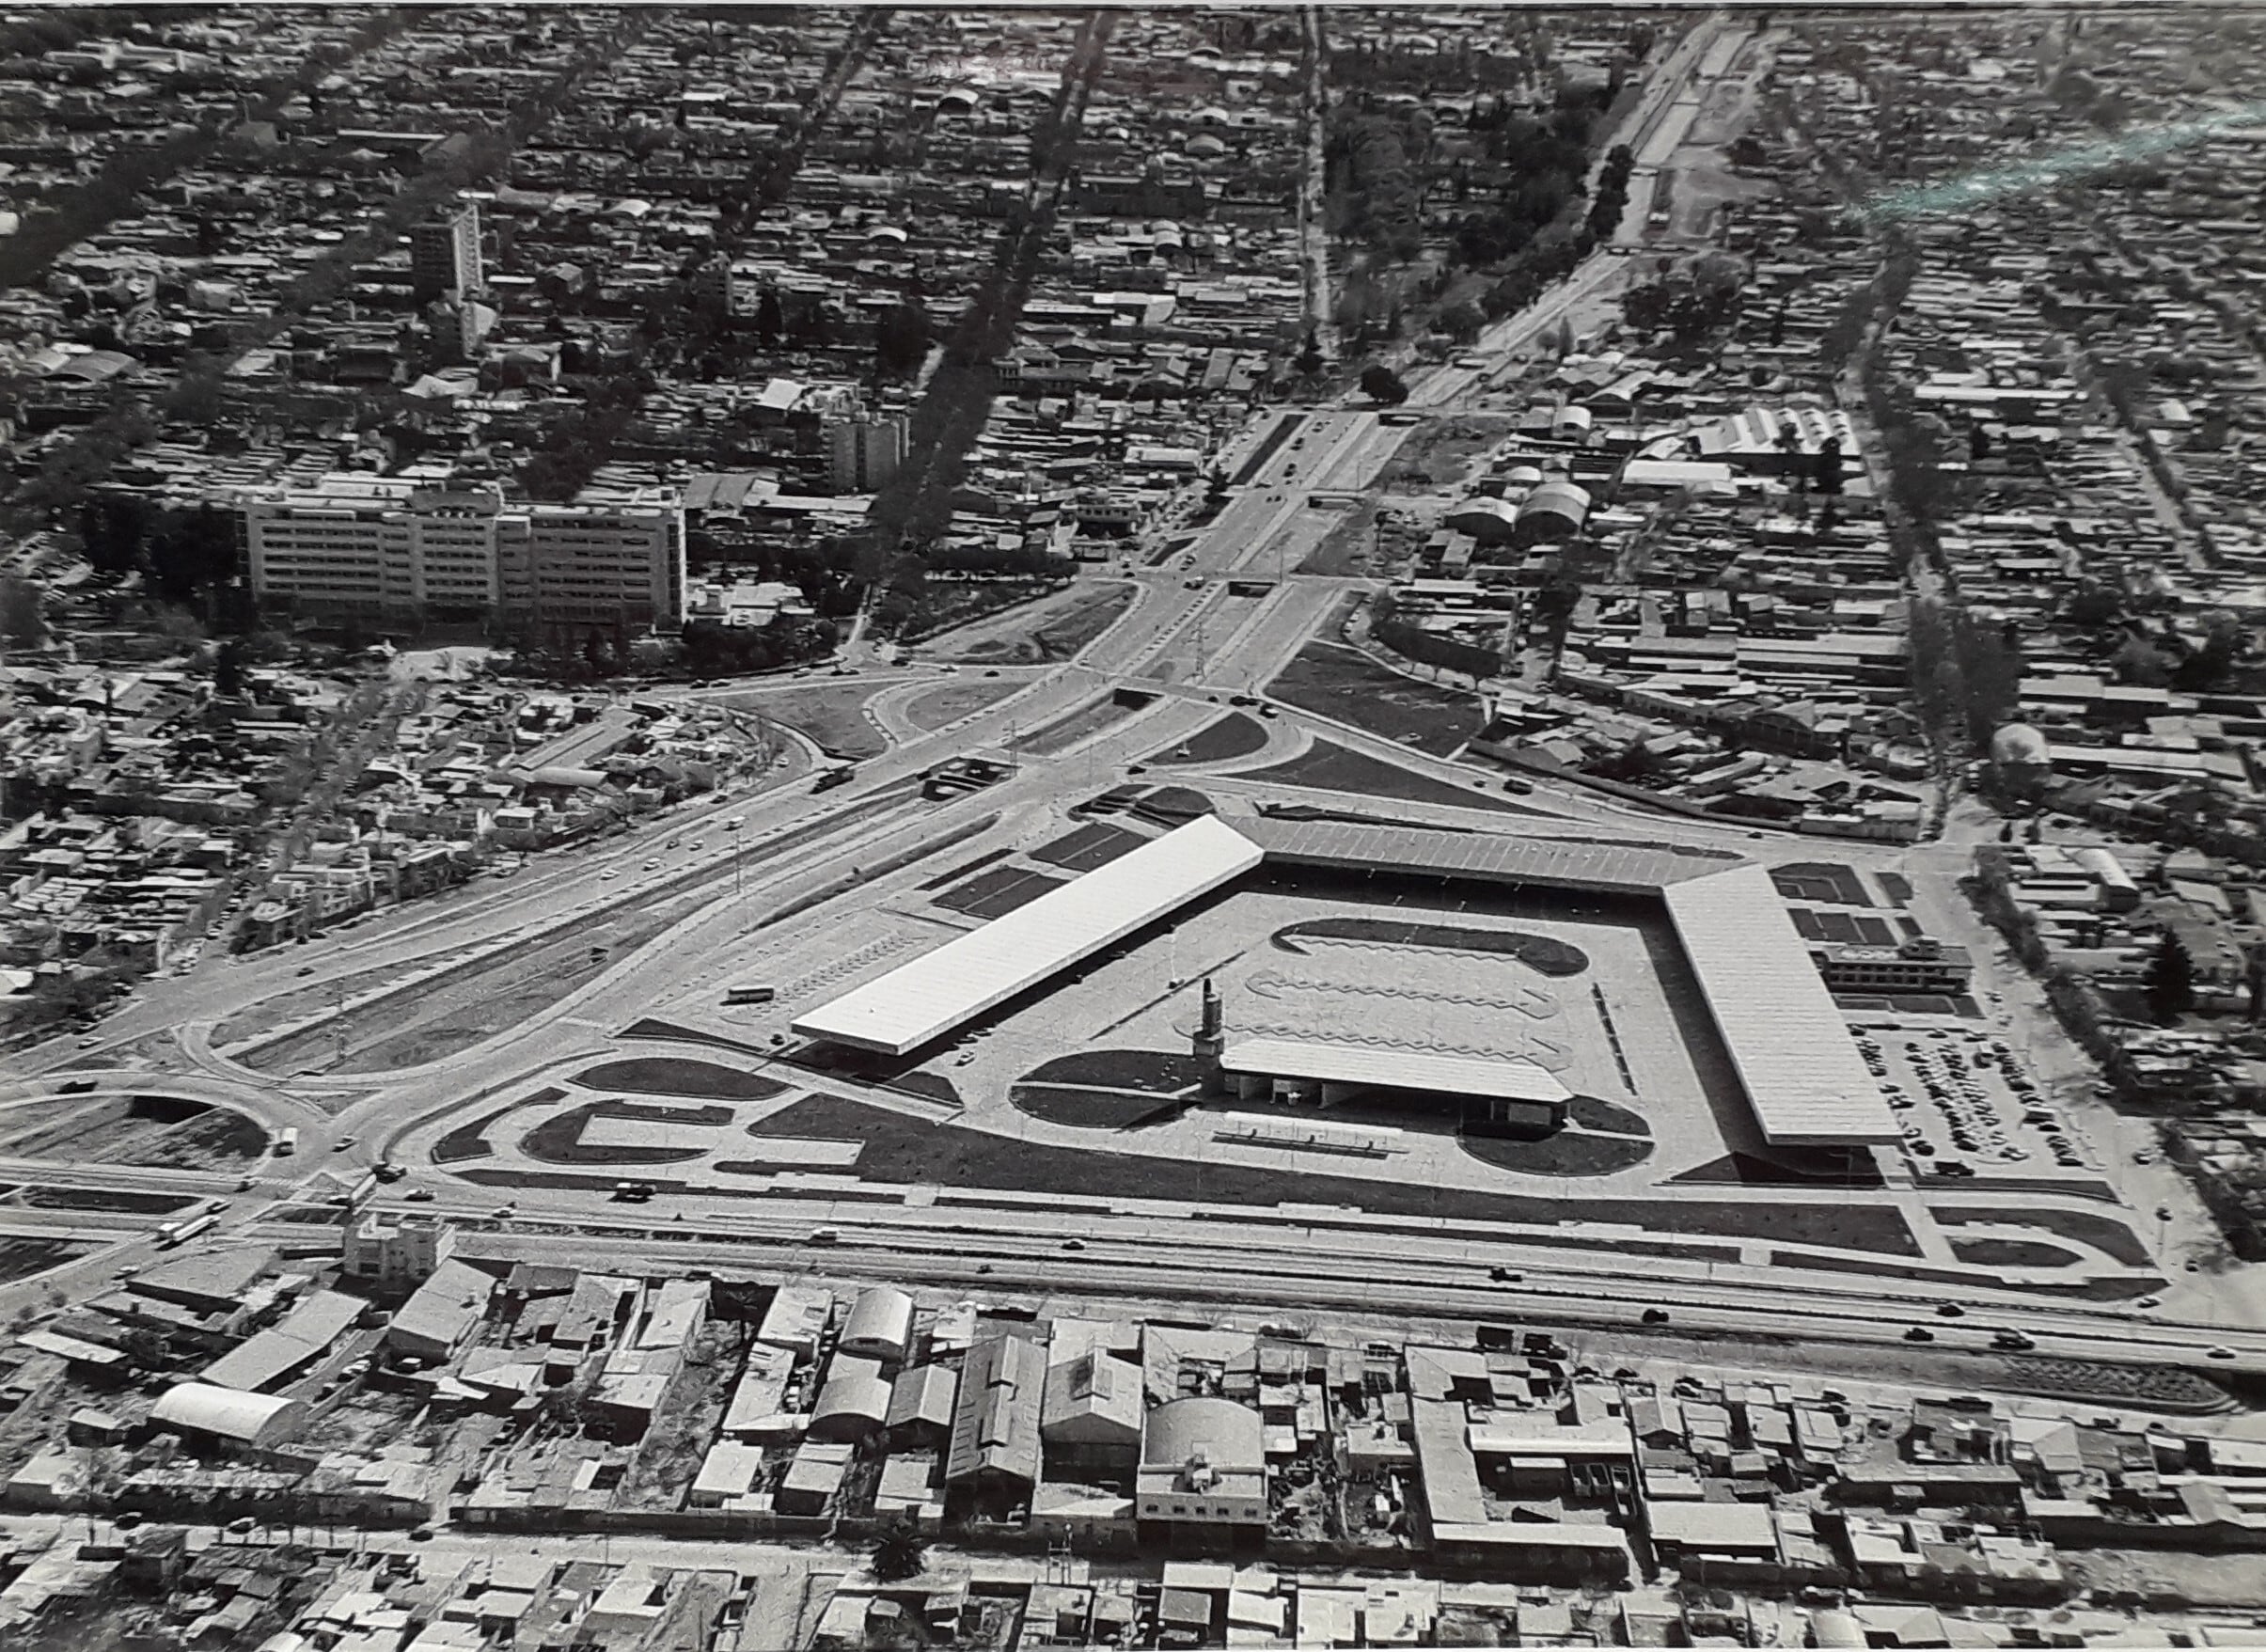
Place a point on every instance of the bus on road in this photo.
(750, 994)
(180, 1233)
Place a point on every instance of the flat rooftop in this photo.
(922, 1000)
(1395, 1069)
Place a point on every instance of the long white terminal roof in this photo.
(1787, 1038)
(922, 1000)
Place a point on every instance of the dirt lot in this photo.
(22, 1258)
(1334, 768)
(267, 1014)
(417, 1026)
(833, 714)
(144, 1130)
(1052, 630)
(1338, 681)
(1440, 454)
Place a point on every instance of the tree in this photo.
(900, 340)
(1310, 360)
(1381, 384)
(228, 670)
(770, 322)
(2171, 979)
(1461, 322)
(23, 625)
(899, 1553)
(1826, 467)
(2094, 607)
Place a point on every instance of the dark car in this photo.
(1656, 1316)
(1919, 1333)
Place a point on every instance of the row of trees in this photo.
(1966, 676)
(1375, 192)
(1544, 160)
(1612, 192)
(1690, 301)
(913, 511)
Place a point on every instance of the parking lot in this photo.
(1967, 1107)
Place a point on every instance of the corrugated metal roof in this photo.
(1787, 1039)
(1579, 864)
(1400, 1069)
(919, 1001)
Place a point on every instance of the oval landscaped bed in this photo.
(680, 1075)
(1542, 953)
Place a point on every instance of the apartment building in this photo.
(444, 253)
(397, 549)
(863, 453)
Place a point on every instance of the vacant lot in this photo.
(833, 716)
(1334, 681)
(951, 701)
(1052, 630)
(1328, 767)
(22, 1258)
(168, 1130)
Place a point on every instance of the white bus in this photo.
(180, 1233)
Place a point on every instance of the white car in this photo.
(608, 875)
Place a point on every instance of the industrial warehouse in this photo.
(1800, 1078)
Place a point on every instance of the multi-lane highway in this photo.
(829, 856)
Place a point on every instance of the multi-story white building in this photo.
(393, 548)
(863, 453)
(444, 253)
(396, 1251)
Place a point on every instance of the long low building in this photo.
(921, 1001)
(1803, 1078)
(1787, 1038)
(1352, 1068)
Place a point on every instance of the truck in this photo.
(287, 1142)
(837, 777)
(750, 994)
(180, 1233)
